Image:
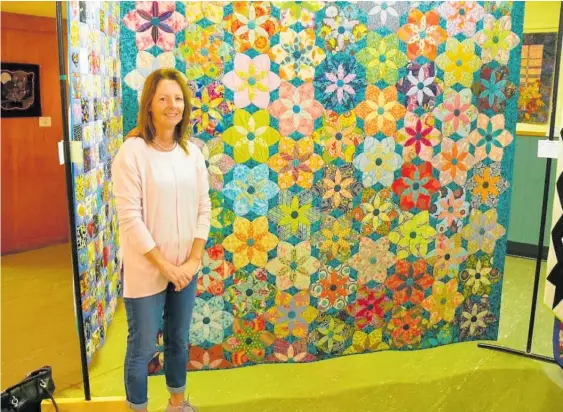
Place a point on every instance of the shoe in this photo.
(184, 407)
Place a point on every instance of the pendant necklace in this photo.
(162, 148)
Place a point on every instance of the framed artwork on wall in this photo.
(20, 90)
(536, 77)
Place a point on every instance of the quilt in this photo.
(360, 158)
(96, 134)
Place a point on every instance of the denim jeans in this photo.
(144, 316)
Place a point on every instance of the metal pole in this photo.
(546, 185)
(71, 208)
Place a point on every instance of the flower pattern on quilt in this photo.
(413, 236)
(381, 110)
(443, 301)
(384, 14)
(459, 62)
(210, 10)
(370, 307)
(382, 58)
(333, 287)
(461, 16)
(496, 39)
(483, 231)
(335, 238)
(422, 34)
(421, 86)
(294, 215)
(490, 138)
(250, 242)
(341, 28)
(291, 314)
(248, 341)
(250, 190)
(450, 209)
(454, 161)
(479, 276)
(251, 80)
(209, 321)
(296, 109)
(373, 260)
(407, 326)
(250, 292)
(290, 352)
(378, 162)
(293, 12)
(419, 136)
(376, 212)
(296, 163)
(416, 186)
(331, 333)
(155, 24)
(204, 52)
(339, 136)
(146, 64)
(447, 257)
(337, 189)
(297, 55)
(339, 84)
(487, 185)
(209, 109)
(250, 136)
(215, 269)
(456, 112)
(252, 25)
(293, 266)
(494, 89)
(217, 162)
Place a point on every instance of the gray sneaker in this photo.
(184, 407)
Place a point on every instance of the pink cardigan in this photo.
(162, 200)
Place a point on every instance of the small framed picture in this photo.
(20, 90)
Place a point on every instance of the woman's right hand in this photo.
(175, 275)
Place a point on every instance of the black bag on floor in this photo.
(27, 395)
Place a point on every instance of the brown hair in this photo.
(145, 127)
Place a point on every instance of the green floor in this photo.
(458, 377)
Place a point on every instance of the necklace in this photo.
(163, 149)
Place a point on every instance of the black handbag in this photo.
(27, 395)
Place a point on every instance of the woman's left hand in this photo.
(190, 268)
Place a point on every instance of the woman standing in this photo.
(161, 188)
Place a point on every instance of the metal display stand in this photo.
(528, 353)
(70, 200)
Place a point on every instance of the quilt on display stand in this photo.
(96, 126)
(360, 158)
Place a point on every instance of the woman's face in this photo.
(167, 106)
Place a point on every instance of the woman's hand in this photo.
(175, 275)
(190, 268)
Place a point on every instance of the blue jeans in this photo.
(144, 316)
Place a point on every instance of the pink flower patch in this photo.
(296, 109)
(252, 81)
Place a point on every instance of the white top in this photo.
(162, 200)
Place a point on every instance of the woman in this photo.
(162, 194)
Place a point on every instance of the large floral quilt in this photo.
(360, 159)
